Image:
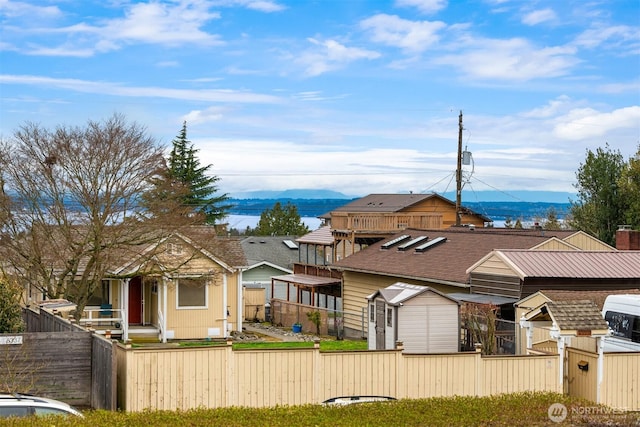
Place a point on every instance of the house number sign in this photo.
(11, 340)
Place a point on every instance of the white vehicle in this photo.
(622, 312)
(24, 405)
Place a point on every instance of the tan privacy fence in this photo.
(217, 376)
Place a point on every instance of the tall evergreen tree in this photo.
(197, 190)
(601, 205)
(281, 221)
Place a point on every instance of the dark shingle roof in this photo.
(271, 249)
(598, 297)
(447, 261)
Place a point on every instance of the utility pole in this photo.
(459, 173)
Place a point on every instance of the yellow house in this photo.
(185, 286)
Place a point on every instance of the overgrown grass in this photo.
(523, 409)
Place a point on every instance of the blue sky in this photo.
(354, 96)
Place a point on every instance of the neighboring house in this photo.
(185, 286)
(268, 256)
(423, 319)
(377, 216)
(517, 273)
(435, 258)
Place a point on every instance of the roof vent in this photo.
(431, 243)
(395, 241)
(412, 242)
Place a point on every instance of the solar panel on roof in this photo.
(431, 243)
(412, 242)
(395, 241)
(290, 244)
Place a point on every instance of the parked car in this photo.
(24, 405)
(350, 400)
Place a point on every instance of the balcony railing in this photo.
(384, 222)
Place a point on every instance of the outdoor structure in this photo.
(435, 258)
(377, 216)
(517, 273)
(185, 286)
(566, 320)
(421, 318)
(539, 333)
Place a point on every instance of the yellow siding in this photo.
(621, 381)
(554, 245)
(494, 265)
(586, 242)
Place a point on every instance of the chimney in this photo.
(627, 239)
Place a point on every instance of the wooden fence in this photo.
(60, 360)
(217, 376)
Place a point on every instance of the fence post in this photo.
(401, 381)
(231, 394)
(479, 371)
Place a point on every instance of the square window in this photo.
(192, 293)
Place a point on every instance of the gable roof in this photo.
(446, 262)
(227, 252)
(271, 249)
(572, 315)
(400, 292)
(571, 264)
(390, 203)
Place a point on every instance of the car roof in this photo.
(10, 399)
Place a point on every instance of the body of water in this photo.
(241, 222)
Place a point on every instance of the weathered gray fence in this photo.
(60, 360)
(51, 364)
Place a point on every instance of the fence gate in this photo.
(581, 374)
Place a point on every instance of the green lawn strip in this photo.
(520, 409)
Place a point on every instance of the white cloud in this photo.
(621, 37)
(330, 55)
(587, 123)
(512, 60)
(114, 89)
(424, 6)
(267, 6)
(539, 16)
(413, 36)
(211, 114)
(14, 9)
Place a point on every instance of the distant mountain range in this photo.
(313, 203)
(467, 196)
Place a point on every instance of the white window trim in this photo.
(192, 307)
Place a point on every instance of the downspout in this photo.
(225, 311)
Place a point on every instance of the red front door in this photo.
(135, 301)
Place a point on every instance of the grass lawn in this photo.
(527, 409)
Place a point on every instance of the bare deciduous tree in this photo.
(70, 205)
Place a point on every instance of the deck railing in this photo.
(384, 222)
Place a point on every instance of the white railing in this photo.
(102, 319)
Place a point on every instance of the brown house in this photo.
(435, 258)
(374, 217)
